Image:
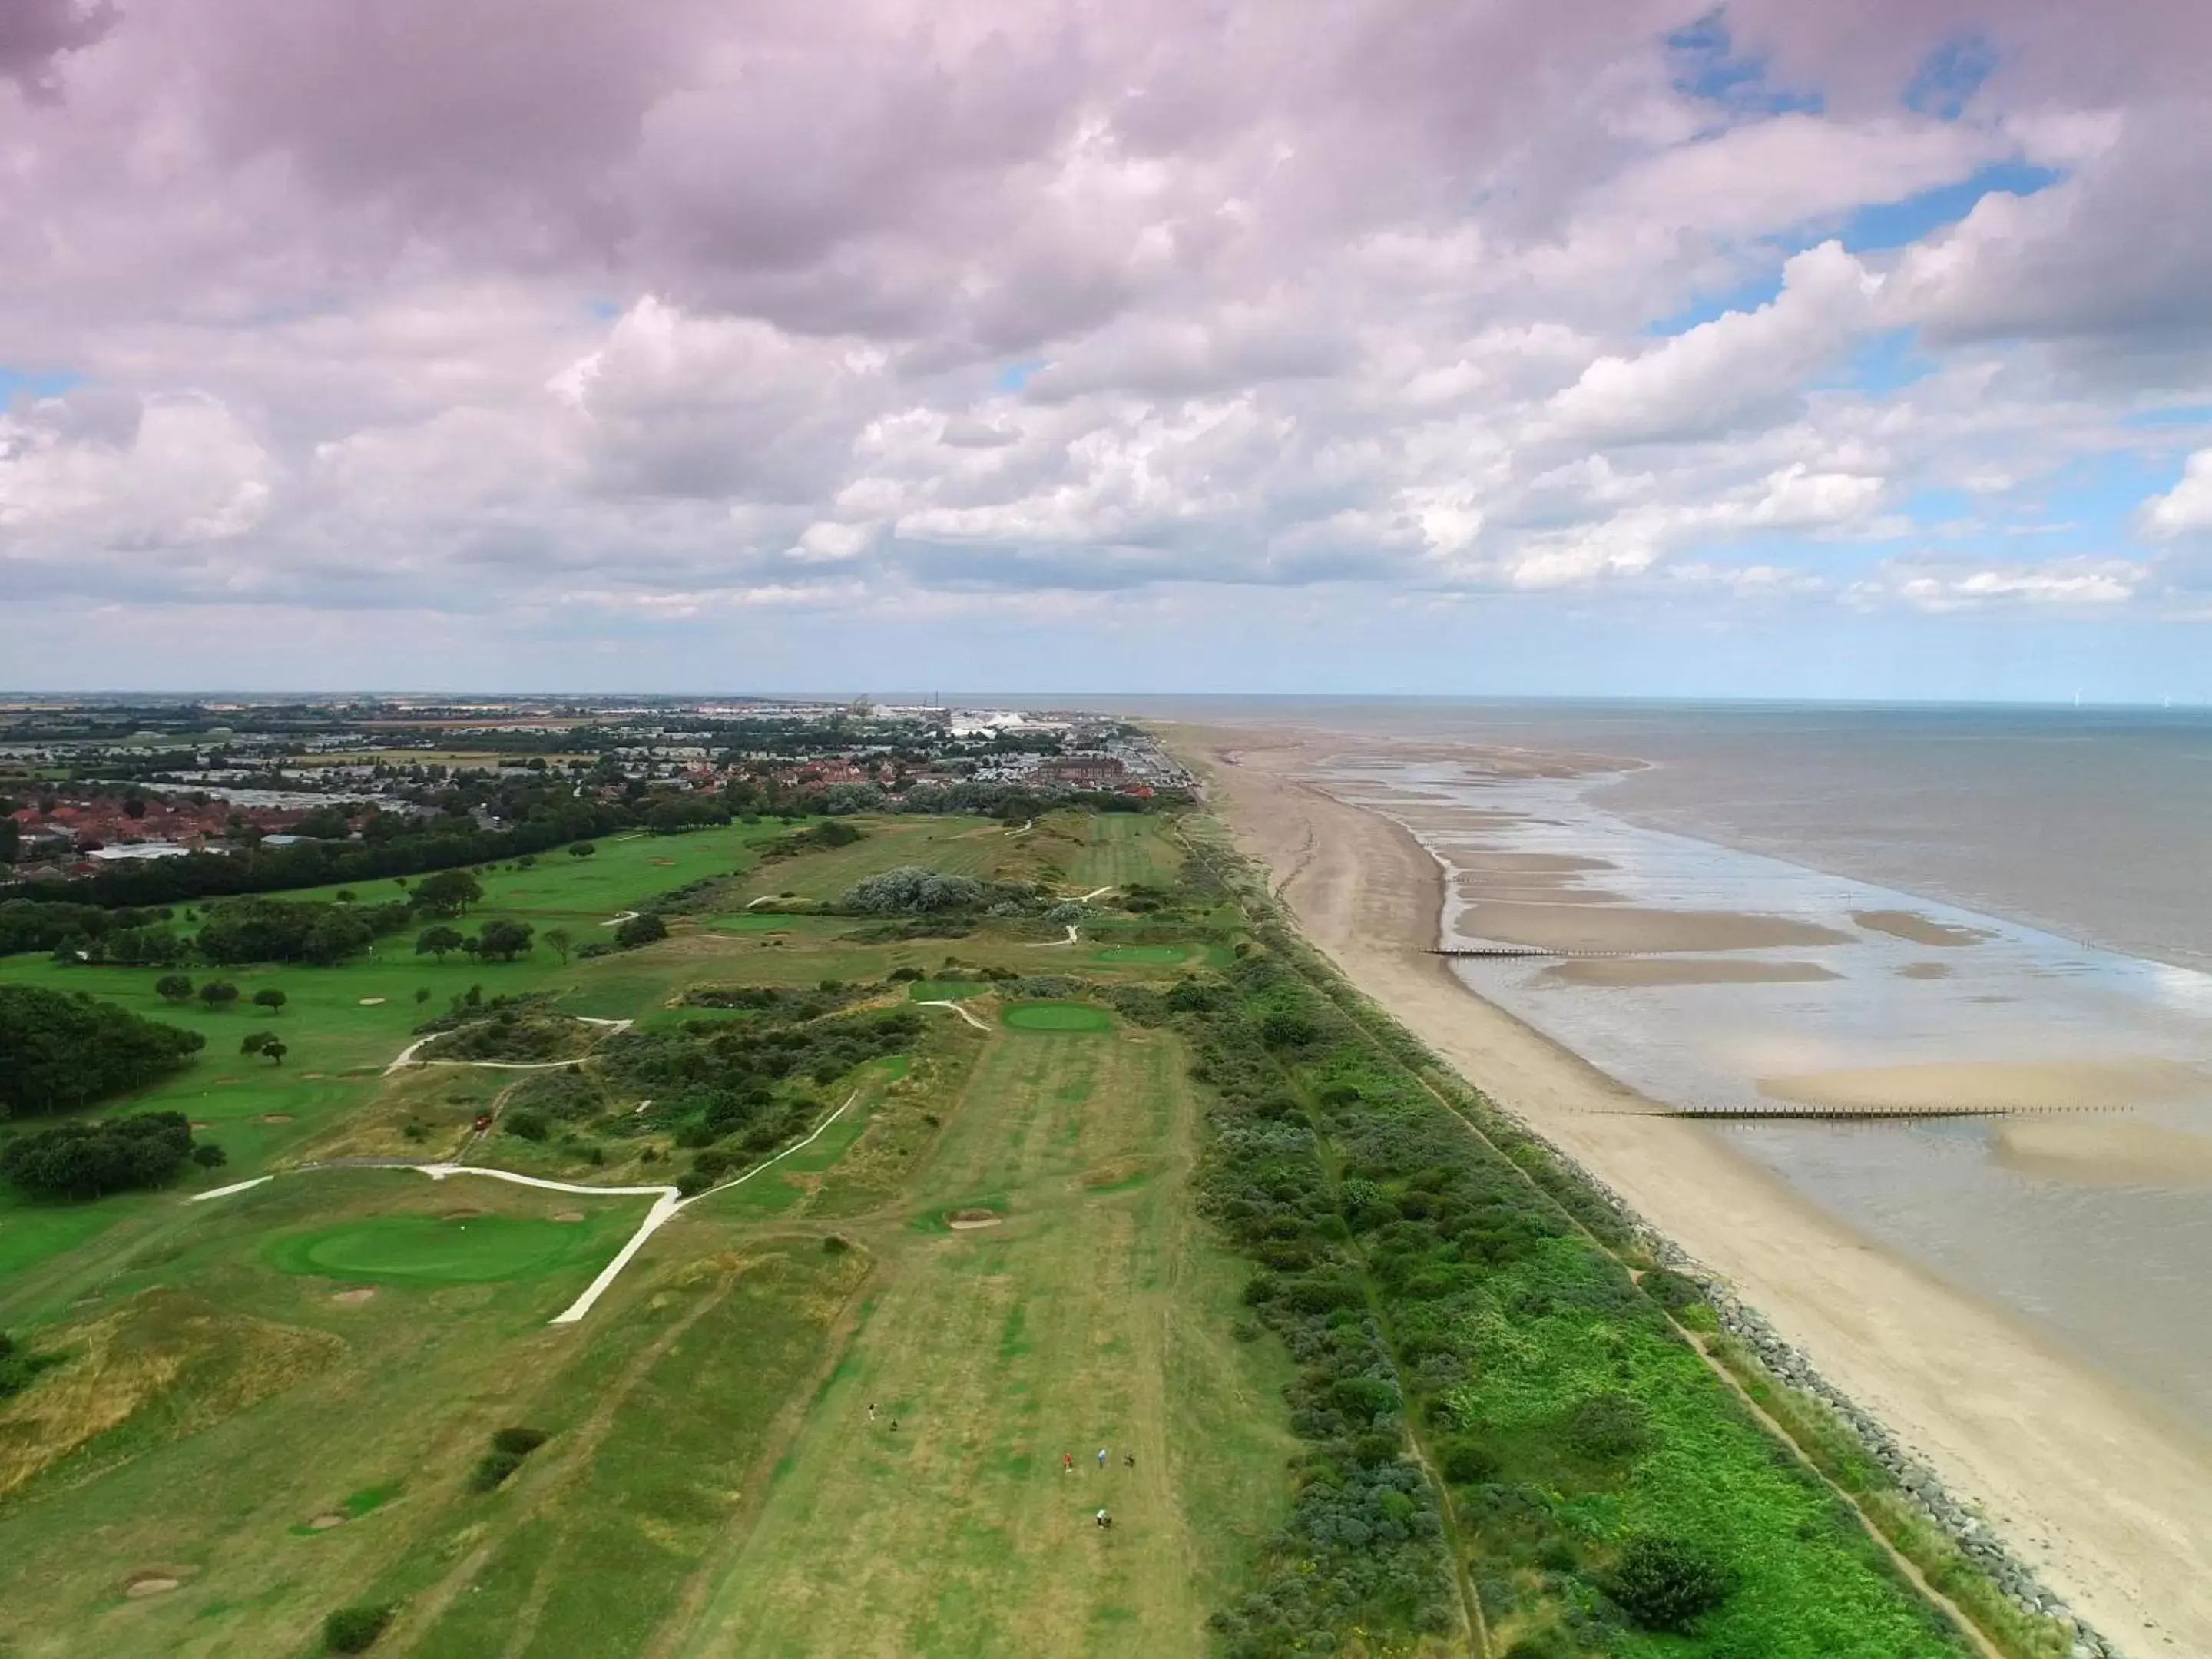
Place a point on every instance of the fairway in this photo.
(1057, 1016)
(1095, 1316)
(1144, 953)
(420, 1250)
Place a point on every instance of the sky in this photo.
(1462, 347)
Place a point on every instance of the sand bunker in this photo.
(1994, 1086)
(460, 1215)
(1916, 929)
(2116, 1154)
(372, 1002)
(154, 1581)
(1925, 970)
(1557, 927)
(569, 1215)
(963, 1220)
(275, 1117)
(357, 1294)
(1659, 970)
(327, 1519)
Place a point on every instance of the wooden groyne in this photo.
(1523, 950)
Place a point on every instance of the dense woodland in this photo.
(59, 1051)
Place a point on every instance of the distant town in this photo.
(89, 787)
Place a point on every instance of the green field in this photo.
(450, 1250)
(824, 1410)
(1154, 955)
(1057, 1016)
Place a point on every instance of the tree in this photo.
(641, 929)
(437, 942)
(59, 1050)
(582, 849)
(174, 988)
(270, 998)
(209, 1156)
(254, 1041)
(503, 941)
(447, 893)
(562, 940)
(85, 1159)
(421, 995)
(133, 806)
(276, 1050)
(218, 994)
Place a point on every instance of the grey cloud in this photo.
(35, 34)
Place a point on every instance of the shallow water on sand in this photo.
(2089, 1213)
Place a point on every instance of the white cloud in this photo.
(2188, 505)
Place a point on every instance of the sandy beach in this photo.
(2110, 1500)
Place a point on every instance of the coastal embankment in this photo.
(2107, 1500)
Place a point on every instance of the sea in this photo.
(2052, 871)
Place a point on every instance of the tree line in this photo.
(59, 1050)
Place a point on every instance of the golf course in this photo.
(1016, 1279)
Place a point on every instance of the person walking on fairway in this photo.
(1102, 1457)
(1067, 1462)
(871, 1411)
(1105, 1519)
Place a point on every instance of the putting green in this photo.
(1058, 1017)
(1144, 953)
(434, 1249)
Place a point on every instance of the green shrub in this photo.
(492, 1469)
(525, 1125)
(644, 928)
(1466, 1463)
(1609, 1427)
(1667, 1583)
(1672, 1291)
(519, 1442)
(355, 1629)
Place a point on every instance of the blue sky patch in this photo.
(33, 383)
(1016, 375)
(1703, 57)
(1949, 76)
(1894, 224)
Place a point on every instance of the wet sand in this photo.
(1556, 926)
(1662, 970)
(1916, 929)
(1980, 1085)
(2109, 1498)
(2116, 1154)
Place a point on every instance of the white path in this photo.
(618, 918)
(225, 1191)
(667, 1202)
(947, 1002)
(406, 1056)
(1073, 938)
(666, 1209)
